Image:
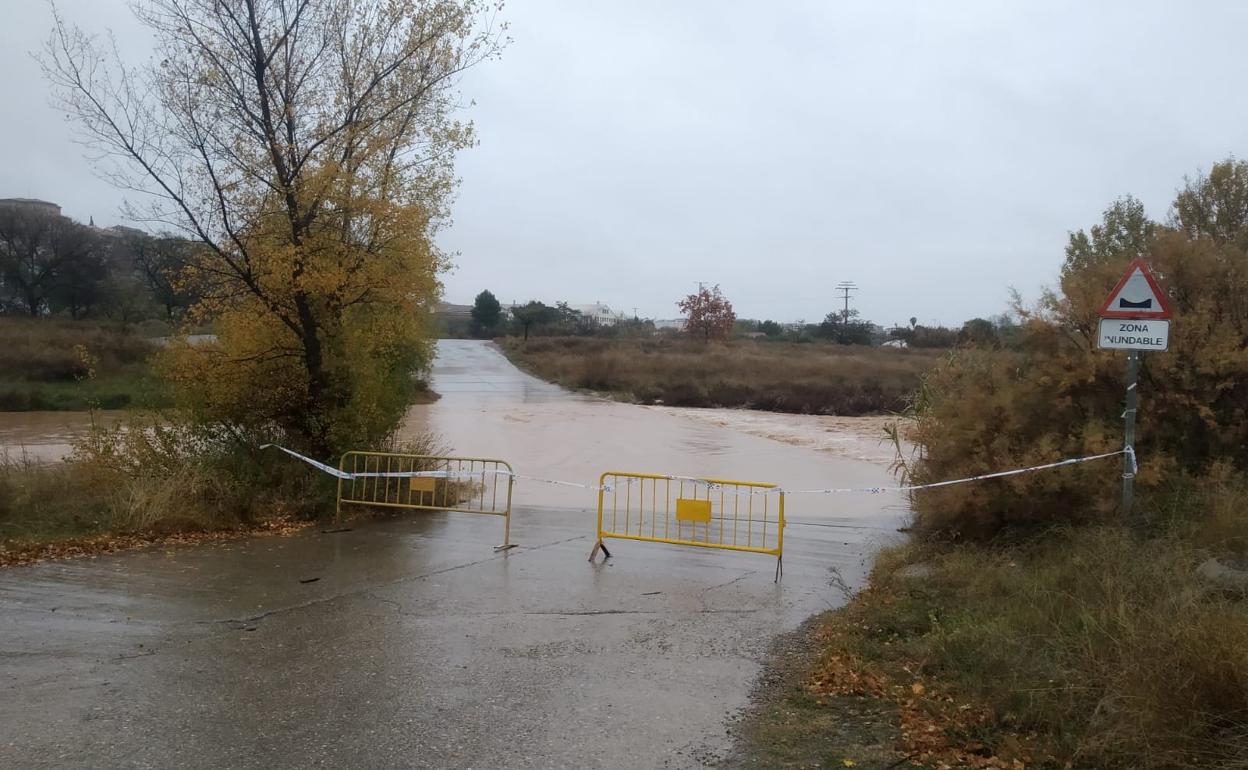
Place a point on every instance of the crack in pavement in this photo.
(737, 579)
(367, 590)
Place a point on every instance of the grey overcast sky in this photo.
(934, 153)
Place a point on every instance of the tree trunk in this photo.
(318, 384)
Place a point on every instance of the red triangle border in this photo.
(1165, 313)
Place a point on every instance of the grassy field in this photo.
(65, 365)
(780, 377)
(1091, 647)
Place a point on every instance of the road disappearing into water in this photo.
(409, 643)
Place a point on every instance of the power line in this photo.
(845, 287)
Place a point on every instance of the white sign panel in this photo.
(1134, 334)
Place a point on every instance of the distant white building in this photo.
(670, 323)
(449, 311)
(599, 313)
(596, 313)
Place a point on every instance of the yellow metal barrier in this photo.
(389, 480)
(706, 513)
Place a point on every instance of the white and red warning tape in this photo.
(351, 475)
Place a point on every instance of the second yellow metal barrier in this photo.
(390, 480)
(705, 513)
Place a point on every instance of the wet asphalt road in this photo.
(410, 645)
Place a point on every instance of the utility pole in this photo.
(845, 287)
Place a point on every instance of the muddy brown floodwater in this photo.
(44, 436)
(409, 643)
(489, 408)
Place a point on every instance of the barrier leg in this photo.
(507, 544)
(779, 568)
(599, 546)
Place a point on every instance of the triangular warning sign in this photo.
(1137, 295)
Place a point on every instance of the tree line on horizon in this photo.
(709, 316)
(53, 266)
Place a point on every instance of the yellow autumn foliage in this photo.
(308, 149)
(373, 312)
(1055, 395)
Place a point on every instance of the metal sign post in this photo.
(1134, 317)
(1128, 418)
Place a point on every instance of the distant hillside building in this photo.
(451, 311)
(599, 313)
(33, 205)
(119, 231)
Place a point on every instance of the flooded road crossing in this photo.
(410, 643)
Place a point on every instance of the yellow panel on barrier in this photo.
(424, 484)
(392, 480)
(706, 513)
(693, 510)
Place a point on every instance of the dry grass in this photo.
(1092, 648)
(44, 350)
(97, 495)
(37, 503)
(58, 364)
(774, 376)
(147, 480)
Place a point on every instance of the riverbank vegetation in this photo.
(147, 480)
(1030, 623)
(780, 377)
(1087, 648)
(61, 364)
(708, 314)
(310, 195)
